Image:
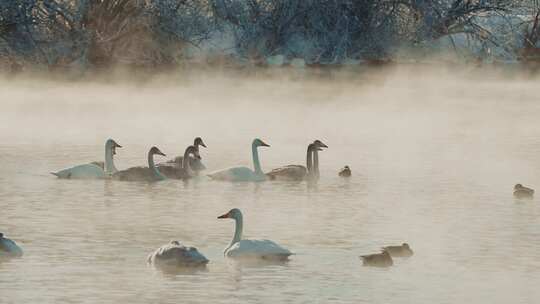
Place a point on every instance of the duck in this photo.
(194, 162)
(177, 255)
(401, 251)
(94, 170)
(183, 172)
(244, 174)
(148, 174)
(345, 172)
(382, 259)
(251, 249)
(521, 191)
(9, 248)
(298, 172)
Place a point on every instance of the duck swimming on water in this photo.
(9, 248)
(345, 172)
(521, 191)
(95, 170)
(145, 174)
(382, 259)
(401, 251)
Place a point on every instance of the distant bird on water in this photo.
(345, 172)
(521, 191)
(401, 251)
(9, 248)
(382, 259)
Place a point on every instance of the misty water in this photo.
(434, 156)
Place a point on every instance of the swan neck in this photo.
(256, 162)
(309, 159)
(153, 168)
(316, 163)
(109, 160)
(237, 231)
(185, 161)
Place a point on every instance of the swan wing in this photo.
(236, 174)
(290, 172)
(135, 174)
(263, 249)
(86, 171)
(99, 164)
(9, 248)
(172, 171)
(175, 253)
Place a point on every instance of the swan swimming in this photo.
(316, 173)
(251, 249)
(95, 170)
(9, 248)
(298, 172)
(176, 254)
(148, 174)
(183, 172)
(521, 191)
(194, 162)
(244, 174)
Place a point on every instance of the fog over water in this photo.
(434, 154)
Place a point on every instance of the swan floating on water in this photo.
(95, 170)
(345, 172)
(299, 172)
(244, 174)
(176, 254)
(402, 251)
(9, 248)
(521, 191)
(194, 162)
(183, 172)
(251, 249)
(147, 174)
(382, 259)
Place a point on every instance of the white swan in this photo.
(93, 170)
(251, 249)
(176, 254)
(244, 174)
(298, 172)
(147, 174)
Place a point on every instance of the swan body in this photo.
(521, 191)
(251, 249)
(401, 251)
(9, 248)
(194, 162)
(183, 172)
(345, 172)
(145, 174)
(298, 172)
(95, 170)
(244, 174)
(176, 254)
(382, 259)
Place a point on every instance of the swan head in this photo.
(319, 144)
(406, 246)
(518, 186)
(193, 150)
(198, 142)
(234, 213)
(259, 143)
(155, 150)
(112, 145)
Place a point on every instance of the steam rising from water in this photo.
(434, 155)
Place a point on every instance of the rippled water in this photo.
(434, 160)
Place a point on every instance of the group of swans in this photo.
(189, 165)
(179, 168)
(176, 254)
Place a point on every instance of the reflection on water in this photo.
(434, 163)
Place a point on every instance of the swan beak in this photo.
(226, 215)
(323, 145)
(161, 153)
(202, 144)
(263, 144)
